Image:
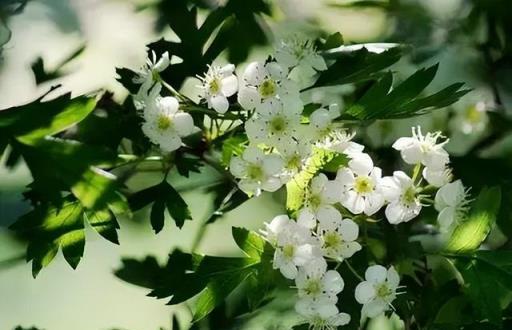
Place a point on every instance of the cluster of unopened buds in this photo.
(281, 141)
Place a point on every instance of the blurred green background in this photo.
(115, 34)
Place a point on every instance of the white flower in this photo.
(295, 155)
(437, 177)
(340, 140)
(295, 247)
(219, 83)
(315, 281)
(164, 124)
(360, 184)
(321, 124)
(150, 71)
(275, 227)
(275, 127)
(452, 203)
(301, 56)
(147, 76)
(378, 291)
(402, 195)
(318, 204)
(265, 86)
(338, 238)
(472, 119)
(423, 149)
(257, 171)
(321, 314)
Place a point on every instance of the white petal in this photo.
(238, 167)
(253, 154)
(376, 274)
(412, 155)
(345, 176)
(375, 308)
(373, 203)
(349, 230)
(393, 278)
(320, 118)
(395, 213)
(170, 143)
(402, 179)
(272, 164)
(272, 184)
(446, 218)
(349, 249)
(340, 319)
(219, 103)
(169, 104)
(318, 183)
(332, 192)
(255, 73)
(249, 98)
(229, 85)
(361, 164)
(183, 124)
(306, 218)
(328, 213)
(289, 270)
(162, 63)
(365, 292)
(353, 202)
(333, 282)
(275, 71)
(403, 143)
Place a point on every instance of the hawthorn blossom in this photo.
(275, 227)
(301, 56)
(315, 281)
(257, 171)
(295, 246)
(452, 203)
(165, 124)
(318, 204)
(266, 86)
(295, 155)
(437, 177)
(321, 314)
(147, 76)
(321, 122)
(340, 140)
(423, 149)
(378, 290)
(218, 84)
(360, 183)
(275, 127)
(338, 238)
(472, 119)
(403, 197)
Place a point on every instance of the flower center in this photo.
(214, 86)
(163, 122)
(277, 125)
(294, 162)
(315, 201)
(267, 88)
(331, 240)
(383, 291)
(313, 287)
(288, 251)
(473, 116)
(363, 184)
(409, 196)
(254, 172)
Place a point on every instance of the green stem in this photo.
(356, 274)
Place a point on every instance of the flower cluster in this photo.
(282, 139)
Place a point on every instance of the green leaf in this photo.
(383, 102)
(332, 41)
(38, 119)
(487, 282)
(471, 233)
(251, 243)
(353, 66)
(50, 227)
(63, 165)
(163, 196)
(296, 188)
(232, 146)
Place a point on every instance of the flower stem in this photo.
(356, 274)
